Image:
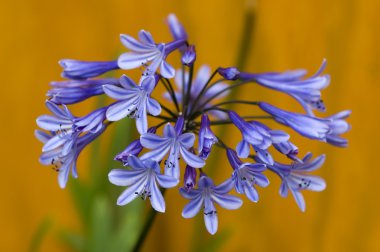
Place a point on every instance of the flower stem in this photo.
(147, 226)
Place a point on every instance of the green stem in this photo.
(147, 226)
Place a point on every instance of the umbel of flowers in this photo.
(191, 108)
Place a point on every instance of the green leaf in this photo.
(41, 232)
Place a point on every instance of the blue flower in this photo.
(189, 56)
(206, 195)
(134, 148)
(246, 176)
(289, 149)
(258, 135)
(295, 177)
(206, 138)
(197, 85)
(176, 28)
(147, 51)
(64, 160)
(338, 126)
(189, 178)
(68, 128)
(133, 101)
(76, 69)
(74, 91)
(308, 126)
(229, 73)
(142, 182)
(307, 91)
(176, 143)
(323, 129)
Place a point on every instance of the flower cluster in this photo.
(177, 148)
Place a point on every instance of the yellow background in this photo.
(288, 34)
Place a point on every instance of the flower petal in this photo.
(191, 159)
(132, 192)
(193, 207)
(156, 199)
(187, 140)
(153, 107)
(121, 177)
(227, 201)
(242, 149)
(152, 141)
(166, 181)
(167, 70)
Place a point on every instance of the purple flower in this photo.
(338, 126)
(206, 138)
(189, 56)
(64, 160)
(289, 149)
(229, 73)
(189, 178)
(133, 101)
(206, 195)
(306, 91)
(176, 143)
(258, 135)
(147, 51)
(246, 176)
(142, 182)
(76, 69)
(295, 177)
(134, 148)
(176, 28)
(67, 128)
(74, 91)
(326, 130)
(308, 126)
(198, 83)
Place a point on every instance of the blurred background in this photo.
(38, 216)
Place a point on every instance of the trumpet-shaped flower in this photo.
(206, 138)
(206, 195)
(74, 91)
(246, 176)
(147, 51)
(142, 182)
(133, 101)
(295, 177)
(76, 69)
(258, 135)
(64, 160)
(176, 143)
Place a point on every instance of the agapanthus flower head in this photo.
(165, 150)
